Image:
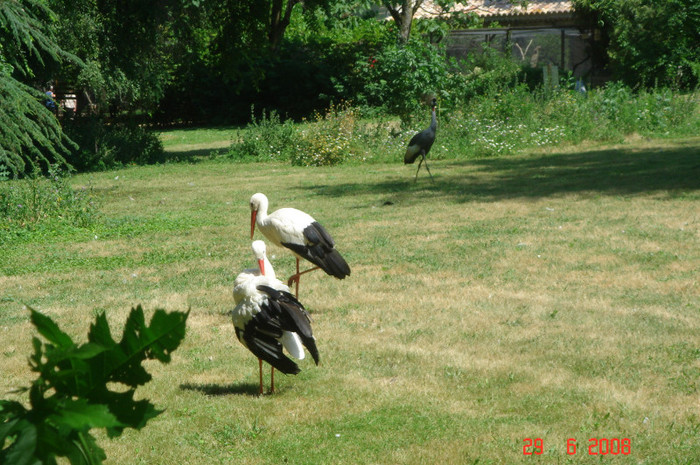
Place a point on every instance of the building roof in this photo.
(493, 9)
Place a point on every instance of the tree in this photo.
(403, 15)
(122, 43)
(404, 11)
(651, 42)
(268, 18)
(29, 132)
(280, 14)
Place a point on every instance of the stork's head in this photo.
(259, 250)
(258, 202)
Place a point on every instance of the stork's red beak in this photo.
(253, 214)
(261, 265)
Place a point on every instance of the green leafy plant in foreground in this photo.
(72, 393)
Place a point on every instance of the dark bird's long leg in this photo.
(420, 163)
(426, 167)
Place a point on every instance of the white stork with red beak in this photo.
(300, 233)
(264, 268)
(268, 319)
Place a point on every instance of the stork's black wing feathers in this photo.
(288, 314)
(421, 143)
(317, 234)
(320, 251)
(265, 346)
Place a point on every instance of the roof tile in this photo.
(485, 8)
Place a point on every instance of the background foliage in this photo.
(651, 43)
(29, 133)
(132, 64)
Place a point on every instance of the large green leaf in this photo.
(72, 392)
(79, 415)
(50, 330)
(121, 362)
(23, 448)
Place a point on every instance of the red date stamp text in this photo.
(596, 446)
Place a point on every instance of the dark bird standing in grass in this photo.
(420, 144)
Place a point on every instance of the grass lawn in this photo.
(196, 142)
(549, 296)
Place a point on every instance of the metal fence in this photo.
(566, 47)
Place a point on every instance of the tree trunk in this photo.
(403, 16)
(280, 16)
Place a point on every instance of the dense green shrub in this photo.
(645, 112)
(517, 119)
(488, 74)
(133, 144)
(399, 77)
(265, 138)
(327, 140)
(650, 42)
(102, 146)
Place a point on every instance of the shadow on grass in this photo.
(192, 156)
(620, 171)
(249, 389)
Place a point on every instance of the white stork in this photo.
(267, 318)
(264, 268)
(300, 233)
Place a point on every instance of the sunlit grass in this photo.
(187, 138)
(546, 295)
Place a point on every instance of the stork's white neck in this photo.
(260, 252)
(269, 271)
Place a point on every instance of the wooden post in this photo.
(563, 49)
(550, 77)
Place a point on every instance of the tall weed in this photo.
(328, 139)
(517, 119)
(27, 203)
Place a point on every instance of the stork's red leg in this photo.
(272, 380)
(261, 383)
(296, 293)
(295, 278)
